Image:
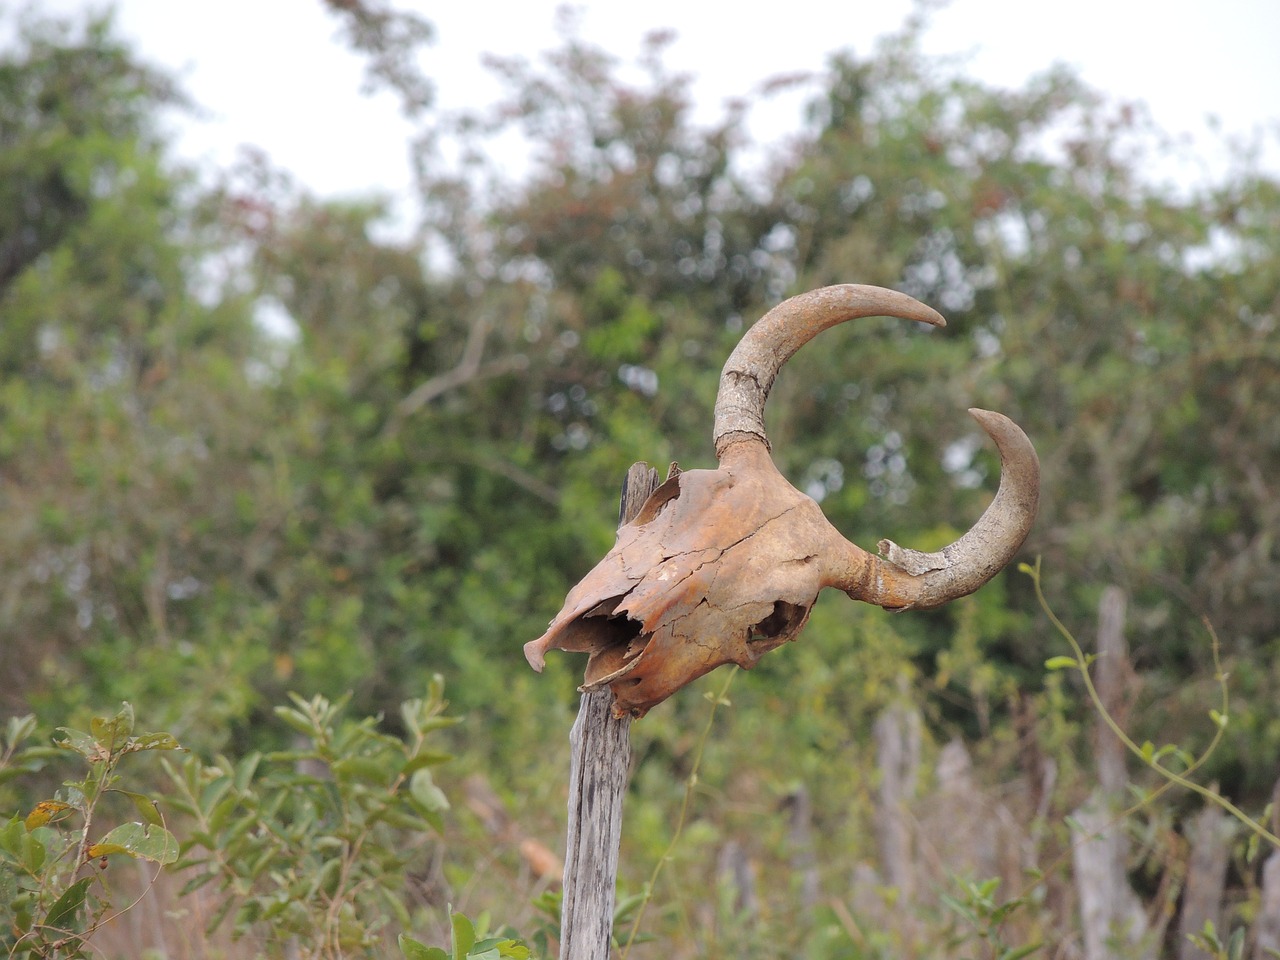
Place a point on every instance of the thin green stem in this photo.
(1171, 778)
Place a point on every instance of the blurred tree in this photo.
(253, 442)
(125, 384)
(251, 432)
(392, 40)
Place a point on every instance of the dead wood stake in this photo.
(598, 770)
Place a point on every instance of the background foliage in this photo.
(255, 442)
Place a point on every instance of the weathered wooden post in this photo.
(598, 770)
(1110, 911)
(722, 566)
(1267, 929)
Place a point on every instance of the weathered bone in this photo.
(723, 565)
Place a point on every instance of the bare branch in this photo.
(468, 369)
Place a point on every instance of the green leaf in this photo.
(439, 723)
(245, 770)
(220, 913)
(212, 793)
(19, 729)
(411, 949)
(81, 743)
(141, 842)
(361, 769)
(1061, 663)
(621, 912)
(11, 835)
(464, 936)
(425, 758)
(497, 947)
(33, 850)
(398, 816)
(196, 882)
(115, 730)
(425, 793)
(1018, 953)
(219, 815)
(299, 722)
(1218, 718)
(154, 741)
(8, 886)
(146, 807)
(64, 909)
(328, 878)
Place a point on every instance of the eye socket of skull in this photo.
(785, 621)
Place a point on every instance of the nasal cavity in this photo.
(619, 642)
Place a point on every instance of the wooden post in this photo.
(898, 737)
(1114, 680)
(598, 772)
(1210, 833)
(804, 861)
(1266, 929)
(1110, 911)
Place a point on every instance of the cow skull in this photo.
(721, 566)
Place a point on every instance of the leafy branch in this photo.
(51, 869)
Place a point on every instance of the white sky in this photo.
(270, 72)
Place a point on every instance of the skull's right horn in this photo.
(899, 578)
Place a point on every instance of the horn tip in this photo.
(990, 420)
(998, 425)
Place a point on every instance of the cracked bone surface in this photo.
(721, 566)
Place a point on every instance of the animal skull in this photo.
(721, 566)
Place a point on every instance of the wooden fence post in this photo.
(1210, 833)
(1267, 927)
(1110, 911)
(898, 738)
(598, 772)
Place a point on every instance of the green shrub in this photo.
(54, 892)
(313, 845)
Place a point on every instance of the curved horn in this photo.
(749, 372)
(899, 578)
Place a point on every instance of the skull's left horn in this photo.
(899, 578)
